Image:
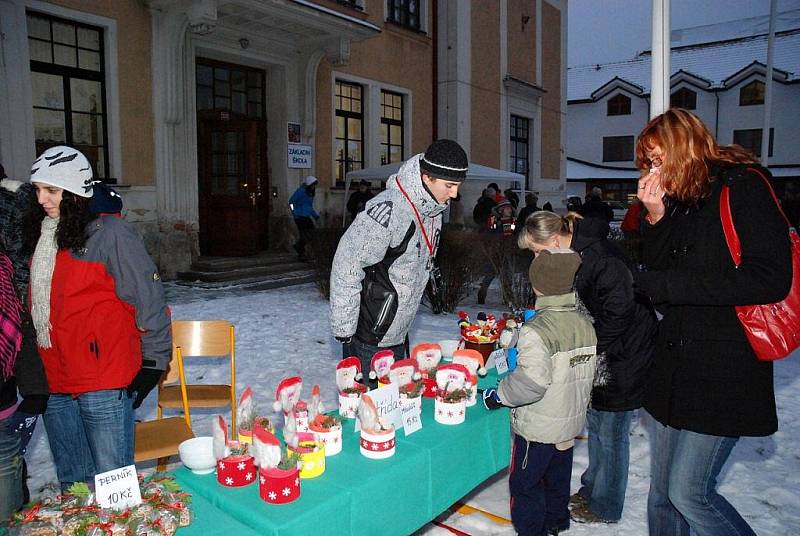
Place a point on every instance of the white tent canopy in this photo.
(475, 172)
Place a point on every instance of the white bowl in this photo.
(198, 454)
(448, 347)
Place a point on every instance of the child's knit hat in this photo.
(553, 271)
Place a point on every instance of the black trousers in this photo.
(305, 227)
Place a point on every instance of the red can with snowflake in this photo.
(236, 471)
(279, 486)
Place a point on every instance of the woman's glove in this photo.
(23, 420)
(143, 383)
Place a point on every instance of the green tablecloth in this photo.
(431, 469)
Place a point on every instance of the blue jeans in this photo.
(365, 351)
(10, 471)
(539, 485)
(604, 481)
(684, 467)
(90, 434)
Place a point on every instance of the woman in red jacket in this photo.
(100, 316)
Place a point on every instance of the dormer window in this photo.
(683, 98)
(752, 94)
(619, 104)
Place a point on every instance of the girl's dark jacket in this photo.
(705, 377)
(624, 320)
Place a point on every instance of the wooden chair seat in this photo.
(203, 396)
(160, 438)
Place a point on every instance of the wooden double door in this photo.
(232, 170)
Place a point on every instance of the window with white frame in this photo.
(392, 127)
(349, 143)
(752, 94)
(519, 145)
(68, 87)
(750, 139)
(683, 98)
(617, 148)
(406, 13)
(619, 104)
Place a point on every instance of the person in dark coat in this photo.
(707, 388)
(483, 209)
(625, 324)
(359, 198)
(27, 376)
(531, 206)
(595, 207)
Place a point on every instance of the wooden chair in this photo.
(159, 439)
(200, 338)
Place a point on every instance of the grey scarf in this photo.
(42, 265)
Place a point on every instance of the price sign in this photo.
(118, 488)
(500, 361)
(412, 419)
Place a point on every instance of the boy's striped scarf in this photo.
(10, 323)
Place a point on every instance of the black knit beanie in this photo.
(553, 271)
(445, 159)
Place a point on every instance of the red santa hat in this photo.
(380, 358)
(350, 362)
(473, 359)
(406, 369)
(282, 392)
(452, 372)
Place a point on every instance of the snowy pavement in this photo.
(284, 332)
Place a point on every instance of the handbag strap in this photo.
(731, 237)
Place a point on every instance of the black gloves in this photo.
(491, 400)
(344, 340)
(143, 383)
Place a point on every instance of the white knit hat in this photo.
(64, 167)
(311, 179)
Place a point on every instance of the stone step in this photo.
(234, 273)
(260, 282)
(222, 264)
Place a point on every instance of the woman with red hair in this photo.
(706, 388)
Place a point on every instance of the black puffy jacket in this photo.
(624, 321)
(705, 377)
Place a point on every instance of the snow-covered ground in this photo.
(284, 332)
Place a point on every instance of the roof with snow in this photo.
(708, 55)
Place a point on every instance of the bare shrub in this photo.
(323, 247)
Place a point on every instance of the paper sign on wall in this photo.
(118, 488)
(299, 156)
(412, 419)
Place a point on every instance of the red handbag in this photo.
(772, 329)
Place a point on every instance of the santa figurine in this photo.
(348, 373)
(474, 363)
(451, 377)
(381, 363)
(287, 395)
(315, 407)
(266, 448)
(219, 433)
(427, 356)
(368, 415)
(404, 372)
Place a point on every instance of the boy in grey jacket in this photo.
(549, 391)
(383, 261)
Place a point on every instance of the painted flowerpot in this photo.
(413, 401)
(348, 404)
(449, 413)
(378, 445)
(332, 439)
(279, 486)
(485, 348)
(430, 387)
(236, 471)
(312, 455)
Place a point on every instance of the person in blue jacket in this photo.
(302, 205)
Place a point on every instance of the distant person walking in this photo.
(595, 207)
(302, 206)
(531, 206)
(358, 199)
